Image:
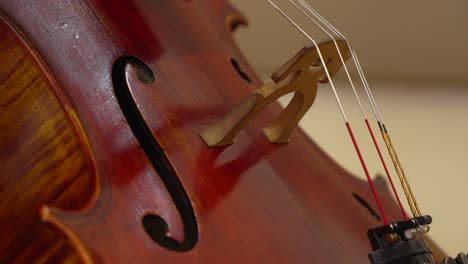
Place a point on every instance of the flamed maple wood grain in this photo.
(43, 160)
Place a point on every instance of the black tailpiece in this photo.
(395, 243)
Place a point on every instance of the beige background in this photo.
(414, 54)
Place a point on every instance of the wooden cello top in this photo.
(248, 203)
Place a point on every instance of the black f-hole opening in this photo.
(241, 73)
(155, 226)
(366, 205)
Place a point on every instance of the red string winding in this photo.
(369, 180)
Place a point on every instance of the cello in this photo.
(103, 105)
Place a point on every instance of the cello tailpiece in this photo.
(395, 243)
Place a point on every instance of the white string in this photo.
(319, 53)
(362, 76)
(338, 50)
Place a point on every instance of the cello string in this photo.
(403, 179)
(322, 60)
(369, 128)
(405, 184)
(387, 136)
(337, 49)
(348, 126)
(400, 173)
(391, 149)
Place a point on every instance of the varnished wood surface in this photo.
(42, 160)
(250, 205)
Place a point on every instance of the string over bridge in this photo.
(300, 75)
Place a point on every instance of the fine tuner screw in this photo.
(460, 259)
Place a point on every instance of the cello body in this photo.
(101, 107)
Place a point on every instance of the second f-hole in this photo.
(367, 206)
(242, 74)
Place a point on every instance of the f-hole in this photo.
(242, 74)
(366, 205)
(155, 226)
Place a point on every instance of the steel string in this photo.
(390, 147)
(348, 126)
(369, 128)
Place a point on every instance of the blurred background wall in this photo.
(415, 56)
